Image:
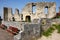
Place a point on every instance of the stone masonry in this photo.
(39, 20)
(27, 12)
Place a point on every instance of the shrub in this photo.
(51, 29)
(48, 32)
(57, 26)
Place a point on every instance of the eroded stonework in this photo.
(27, 10)
(28, 15)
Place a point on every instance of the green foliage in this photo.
(58, 16)
(48, 32)
(51, 29)
(57, 26)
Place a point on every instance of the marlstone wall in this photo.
(19, 25)
(33, 23)
(40, 6)
(27, 12)
(30, 31)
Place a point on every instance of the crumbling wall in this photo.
(28, 11)
(30, 31)
(51, 6)
(19, 25)
(40, 6)
(7, 14)
(10, 15)
(16, 15)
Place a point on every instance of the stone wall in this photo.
(19, 25)
(47, 23)
(31, 31)
(28, 11)
(56, 21)
(16, 15)
(40, 6)
(7, 14)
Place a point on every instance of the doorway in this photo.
(28, 19)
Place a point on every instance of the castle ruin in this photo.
(27, 13)
(25, 21)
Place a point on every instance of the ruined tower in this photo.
(7, 14)
(10, 14)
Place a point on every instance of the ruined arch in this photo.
(28, 18)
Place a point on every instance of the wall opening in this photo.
(46, 10)
(21, 16)
(28, 19)
(34, 9)
(13, 18)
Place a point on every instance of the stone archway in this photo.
(28, 19)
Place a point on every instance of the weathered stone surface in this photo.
(45, 23)
(16, 15)
(27, 11)
(35, 27)
(7, 14)
(30, 31)
(40, 6)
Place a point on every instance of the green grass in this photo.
(57, 26)
(58, 16)
(51, 29)
(48, 32)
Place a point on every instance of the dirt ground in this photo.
(4, 35)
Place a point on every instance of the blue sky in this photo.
(21, 3)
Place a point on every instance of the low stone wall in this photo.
(57, 21)
(46, 23)
(18, 25)
(30, 31)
